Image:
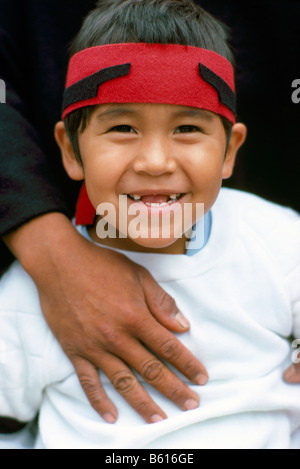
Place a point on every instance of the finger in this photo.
(154, 372)
(164, 344)
(292, 374)
(162, 306)
(90, 382)
(128, 386)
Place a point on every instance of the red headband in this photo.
(150, 73)
(147, 73)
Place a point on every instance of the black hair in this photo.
(149, 21)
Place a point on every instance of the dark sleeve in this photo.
(26, 186)
(10, 426)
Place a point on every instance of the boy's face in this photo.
(161, 159)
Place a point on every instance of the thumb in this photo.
(162, 306)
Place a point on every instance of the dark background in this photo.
(266, 43)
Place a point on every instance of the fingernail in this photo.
(201, 379)
(156, 418)
(290, 372)
(109, 418)
(191, 404)
(184, 323)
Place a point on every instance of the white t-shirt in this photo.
(241, 294)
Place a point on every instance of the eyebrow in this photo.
(202, 113)
(115, 112)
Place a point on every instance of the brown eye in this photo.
(122, 128)
(187, 129)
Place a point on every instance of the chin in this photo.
(159, 244)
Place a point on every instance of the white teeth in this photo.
(163, 204)
(172, 197)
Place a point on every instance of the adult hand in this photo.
(107, 313)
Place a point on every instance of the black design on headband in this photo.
(87, 88)
(225, 93)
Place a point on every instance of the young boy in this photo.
(149, 124)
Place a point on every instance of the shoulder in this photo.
(263, 215)
(256, 208)
(275, 227)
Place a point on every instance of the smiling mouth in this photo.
(156, 200)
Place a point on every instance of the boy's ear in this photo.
(237, 138)
(71, 164)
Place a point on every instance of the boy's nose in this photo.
(155, 158)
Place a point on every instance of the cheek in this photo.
(99, 182)
(101, 171)
(205, 168)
